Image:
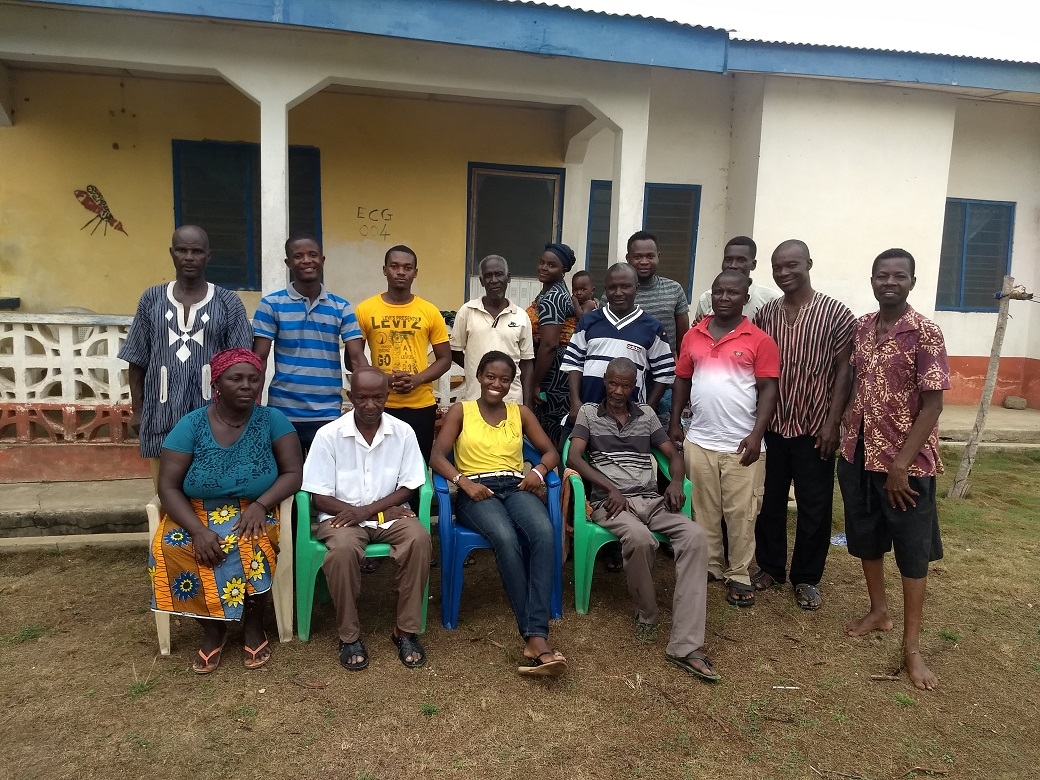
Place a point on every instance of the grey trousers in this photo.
(638, 549)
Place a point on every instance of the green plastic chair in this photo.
(590, 537)
(310, 554)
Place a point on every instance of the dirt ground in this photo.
(86, 696)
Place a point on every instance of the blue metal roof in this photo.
(555, 30)
(523, 27)
(878, 65)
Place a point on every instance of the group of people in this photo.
(761, 391)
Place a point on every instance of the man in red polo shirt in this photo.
(731, 370)
(890, 452)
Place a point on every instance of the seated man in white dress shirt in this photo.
(361, 471)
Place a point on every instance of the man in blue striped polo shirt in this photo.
(306, 324)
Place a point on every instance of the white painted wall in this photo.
(745, 145)
(996, 156)
(688, 143)
(852, 170)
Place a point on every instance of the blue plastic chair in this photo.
(458, 542)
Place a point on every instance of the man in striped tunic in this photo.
(306, 323)
(814, 334)
(620, 329)
(178, 327)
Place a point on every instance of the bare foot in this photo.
(920, 675)
(872, 621)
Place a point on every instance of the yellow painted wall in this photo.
(407, 156)
(410, 157)
(65, 131)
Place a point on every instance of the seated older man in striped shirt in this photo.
(306, 323)
(618, 435)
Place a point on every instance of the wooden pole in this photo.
(959, 488)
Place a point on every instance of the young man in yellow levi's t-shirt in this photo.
(400, 329)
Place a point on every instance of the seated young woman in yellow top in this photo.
(498, 502)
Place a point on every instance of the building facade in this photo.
(466, 127)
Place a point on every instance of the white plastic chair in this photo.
(281, 588)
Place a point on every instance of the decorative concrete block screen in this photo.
(60, 379)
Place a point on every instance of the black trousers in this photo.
(795, 459)
(422, 421)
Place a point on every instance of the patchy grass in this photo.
(28, 634)
(796, 701)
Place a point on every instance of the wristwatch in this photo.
(456, 478)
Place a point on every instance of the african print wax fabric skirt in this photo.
(183, 586)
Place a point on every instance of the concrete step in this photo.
(1008, 426)
(38, 509)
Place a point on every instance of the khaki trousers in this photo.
(410, 550)
(638, 548)
(722, 488)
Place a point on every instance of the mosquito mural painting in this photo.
(93, 201)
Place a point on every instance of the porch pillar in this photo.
(626, 203)
(275, 93)
(274, 192)
(580, 128)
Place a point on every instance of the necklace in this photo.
(216, 411)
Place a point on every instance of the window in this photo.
(976, 254)
(216, 185)
(670, 212)
(513, 212)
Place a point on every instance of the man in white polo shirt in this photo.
(493, 322)
(739, 255)
(733, 370)
(361, 470)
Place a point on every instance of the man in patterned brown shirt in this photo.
(890, 452)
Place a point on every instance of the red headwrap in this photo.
(223, 360)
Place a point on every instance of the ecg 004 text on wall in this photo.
(374, 222)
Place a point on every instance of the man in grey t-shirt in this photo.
(662, 298)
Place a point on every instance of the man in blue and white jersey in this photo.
(620, 329)
(306, 324)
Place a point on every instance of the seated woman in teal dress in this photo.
(223, 471)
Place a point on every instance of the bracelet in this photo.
(380, 519)
(262, 506)
(538, 474)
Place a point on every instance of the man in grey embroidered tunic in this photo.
(178, 327)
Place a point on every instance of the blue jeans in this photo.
(517, 525)
(664, 408)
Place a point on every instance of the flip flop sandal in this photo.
(208, 664)
(762, 580)
(409, 645)
(538, 668)
(348, 650)
(689, 668)
(252, 662)
(807, 596)
(734, 592)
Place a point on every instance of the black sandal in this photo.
(763, 580)
(740, 595)
(348, 650)
(807, 596)
(409, 645)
